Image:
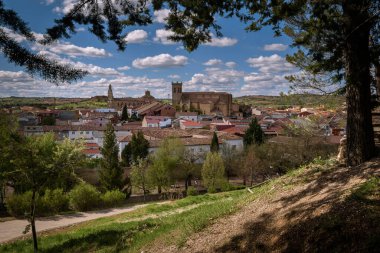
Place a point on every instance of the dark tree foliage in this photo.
(34, 64)
(138, 148)
(254, 134)
(48, 121)
(111, 174)
(214, 147)
(124, 113)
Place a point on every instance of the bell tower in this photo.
(110, 94)
(176, 93)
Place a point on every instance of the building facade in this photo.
(119, 103)
(217, 103)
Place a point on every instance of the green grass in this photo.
(117, 234)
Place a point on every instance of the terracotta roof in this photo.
(191, 124)
(91, 151)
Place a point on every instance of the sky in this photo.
(240, 62)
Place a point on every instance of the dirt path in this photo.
(10, 230)
(260, 226)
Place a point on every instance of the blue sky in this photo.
(242, 63)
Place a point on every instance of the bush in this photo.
(55, 201)
(113, 198)
(19, 204)
(84, 197)
(211, 189)
(191, 191)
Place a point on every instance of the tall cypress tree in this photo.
(214, 147)
(254, 134)
(137, 148)
(111, 174)
(124, 113)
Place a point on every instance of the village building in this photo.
(217, 103)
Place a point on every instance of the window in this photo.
(73, 132)
(81, 132)
(87, 132)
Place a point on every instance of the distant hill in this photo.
(303, 100)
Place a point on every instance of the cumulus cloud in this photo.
(216, 79)
(160, 15)
(213, 62)
(160, 61)
(273, 63)
(162, 36)
(124, 68)
(136, 36)
(74, 51)
(231, 64)
(221, 42)
(275, 47)
(270, 75)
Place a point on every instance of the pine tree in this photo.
(214, 143)
(137, 148)
(111, 174)
(254, 134)
(124, 113)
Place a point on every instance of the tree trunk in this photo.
(159, 189)
(32, 221)
(360, 138)
(377, 74)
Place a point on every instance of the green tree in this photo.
(137, 148)
(165, 161)
(231, 158)
(111, 174)
(48, 121)
(214, 147)
(124, 113)
(39, 162)
(213, 172)
(140, 175)
(254, 134)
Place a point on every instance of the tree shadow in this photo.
(304, 221)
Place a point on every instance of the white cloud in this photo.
(275, 47)
(124, 68)
(174, 76)
(162, 36)
(216, 79)
(49, 2)
(160, 61)
(136, 36)
(160, 15)
(231, 64)
(273, 63)
(213, 62)
(221, 42)
(74, 51)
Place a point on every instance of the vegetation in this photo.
(356, 216)
(254, 134)
(140, 177)
(213, 172)
(214, 147)
(113, 198)
(165, 161)
(124, 114)
(137, 148)
(84, 197)
(111, 174)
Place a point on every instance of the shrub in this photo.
(211, 189)
(55, 201)
(84, 197)
(113, 198)
(191, 191)
(19, 204)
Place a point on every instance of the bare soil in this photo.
(289, 219)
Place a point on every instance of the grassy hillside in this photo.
(318, 208)
(329, 102)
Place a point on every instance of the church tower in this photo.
(110, 94)
(176, 93)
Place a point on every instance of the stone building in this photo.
(131, 103)
(217, 103)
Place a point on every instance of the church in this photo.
(131, 103)
(217, 103)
